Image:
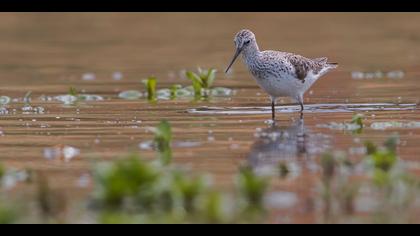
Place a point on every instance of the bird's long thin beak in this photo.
(238, 51)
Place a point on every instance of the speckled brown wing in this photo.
(303, 65)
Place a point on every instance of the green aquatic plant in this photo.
(52, 204)
(174, 91)
(151, 85)
(8, 214)
(2, 172)
(73, 92)
(252, 188)
(202, 82)
(283, 169)
(358, 119)
(27, 98)
(189, 189)
(129, 179)
(163, 139)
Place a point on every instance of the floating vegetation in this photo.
(390, 187)
(66, 153)
(395, 125)
(135, 191)
(356, 124)
(202, 82)
(8, 215)
(253, 188)
(27, 98)
(4, 100)
(2, 171)
(358, 75)
(130, 95)
(151, 84)
(162, 140)
(73, 97)
(283, 169)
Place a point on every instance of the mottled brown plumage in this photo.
(279, 73)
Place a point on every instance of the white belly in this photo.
(285, 86)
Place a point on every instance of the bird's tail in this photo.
(332, 65)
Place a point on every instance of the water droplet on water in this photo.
(117, 76)
(66, 153)
(88, 76)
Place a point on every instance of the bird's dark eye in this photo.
(247, 42)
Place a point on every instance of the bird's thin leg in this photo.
(273, 109)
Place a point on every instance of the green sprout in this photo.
(189, 189)
(174, 90)
(151, 84)
(2, 171)
(27, 98)
(73, 92)
(328, 164)
(7, 215)
(283, 169)
(358, 120)
(130, 178)
(163, 138)
(252, 187)
(202, 82)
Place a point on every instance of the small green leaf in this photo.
(211, 77)
(196, 82)
(151, 84)
(73, 92)
(2, 171)
(163, 139)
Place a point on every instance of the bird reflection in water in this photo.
(295, 147)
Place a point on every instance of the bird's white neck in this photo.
(250, 53)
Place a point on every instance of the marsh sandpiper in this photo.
(280, 74)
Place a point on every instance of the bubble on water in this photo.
(357, 150)
(88, 76)
(357, 75)
(311, 92)
(12, 177)
(28, 109)
(4, 100)
(222, 92)
(395, 125)
(117, 75)
(44, 126)
(90, 97)
(67, 153)
(341, 126)
(234, 146)
(397, 74)
(4, 111)
(269, 122)
(146, 145)
(84, 181)
(130, 95)
(280, 200)
(163, 94)
(66, 99)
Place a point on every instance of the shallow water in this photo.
(105, 54)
